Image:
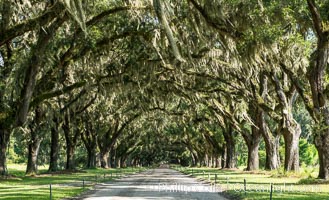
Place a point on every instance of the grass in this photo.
(285, 185)
(18, 186)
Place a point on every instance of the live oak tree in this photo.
(16, 107)
(314, 92)
(47, 19)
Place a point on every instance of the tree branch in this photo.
(316, 18)
(279, 90)
(33, 67)
(56, 93)
(32, 24)
(221, 27)
(300, 89)
(159, 9)
(105, 13)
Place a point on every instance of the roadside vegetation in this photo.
(300, 186)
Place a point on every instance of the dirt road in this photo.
(160, 184)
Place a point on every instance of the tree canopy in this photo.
(140, 82)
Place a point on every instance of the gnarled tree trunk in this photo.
(252, 140)
(291, 136)
(272, 142)
(288, 126)
(272, 153)
(322, 145)
(317, 73)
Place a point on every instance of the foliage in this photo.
(146, 82)
(308, 153)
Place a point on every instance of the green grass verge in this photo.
(64, 185)
(258, 184)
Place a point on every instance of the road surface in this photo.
(159, 184)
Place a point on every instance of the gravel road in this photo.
(159, 183)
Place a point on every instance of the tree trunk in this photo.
(200, 160)
(193, 160)
(4, 140)
(70, 148)
(114, 158)
(117, 162)
(253, 139)
(38, 56)
(210, 161)
(89, 138)
(213, 164)
(6, 10)
(206, 160)
(71, 138)
(230, 148)
(318, 71)
(253, 158)
(318, 67)
(54, 147)
(33, 151)
(288, 125)
(223, 160)
(230, 154)
(123, 162)
(272, 153)
(89, 141)
(194, 155)
(322, 145)
(196, 160)
(291, 140)
(218, 162)
(104, 159)
(272, 142)
(91, 163)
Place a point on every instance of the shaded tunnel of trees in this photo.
(195, 82)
